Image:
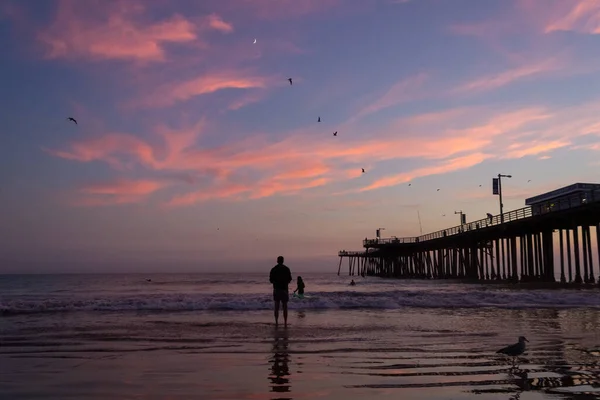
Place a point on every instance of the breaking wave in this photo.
(395, 299)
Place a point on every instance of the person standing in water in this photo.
(280, 277)
(300, 287)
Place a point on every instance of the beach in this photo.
(213, 337)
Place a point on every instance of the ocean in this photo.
(212, 336)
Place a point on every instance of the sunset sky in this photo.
(193, 152)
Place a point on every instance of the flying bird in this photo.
(363, 170)
(443, 215)
(479, 185)
(529, 181)
(255, 41)
(319, 120)
(409, 184)
(335, 133)
(514, 350)
(290, 79)
(72, 119)
(438, 190)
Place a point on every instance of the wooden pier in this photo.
(519, 249)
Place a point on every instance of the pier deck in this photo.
(517, 246)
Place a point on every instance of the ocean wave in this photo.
(396, 299)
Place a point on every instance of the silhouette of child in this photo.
(300, 288)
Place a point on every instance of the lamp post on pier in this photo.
(497, 190)
(463, 217)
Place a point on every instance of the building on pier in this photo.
(548, 202)
(519, 249)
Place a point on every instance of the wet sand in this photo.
(349, 354)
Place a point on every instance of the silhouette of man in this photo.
(280, 277)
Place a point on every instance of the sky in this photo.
(192, 151)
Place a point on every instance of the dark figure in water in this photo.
(300, 287)
(280, 277)
(352, 283)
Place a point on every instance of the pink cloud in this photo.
(265, 188)
(290, 164)
(451, 165)
(245, 100)
(507, 77)
(275, 186)
(117, 192)
(310, 171)
(353, 173)
(403, 91)
(215, 22)
(172, 93)
(107, 148)
(579, 16)
(125, 187)
(218, 192)
(119, 30)
(519, 150)
(257, 167)
(539, 16)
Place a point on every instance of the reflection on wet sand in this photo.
(280, 371)
(552, 367)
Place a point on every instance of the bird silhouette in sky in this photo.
(319, 120)
(363, 170)
(409, 184)
(290, 79)
(438, 190)
(529, 181)
(479, 185)
(335, 133)
(72, 119)
(443, 215)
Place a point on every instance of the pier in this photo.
(517, 246)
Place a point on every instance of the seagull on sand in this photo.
(514, 350)
(72, 119)
(290, 79)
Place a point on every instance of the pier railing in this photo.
(351, 253)
(565, 203)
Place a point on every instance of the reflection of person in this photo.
(280, 359)
(280, 277)
(300, 287)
